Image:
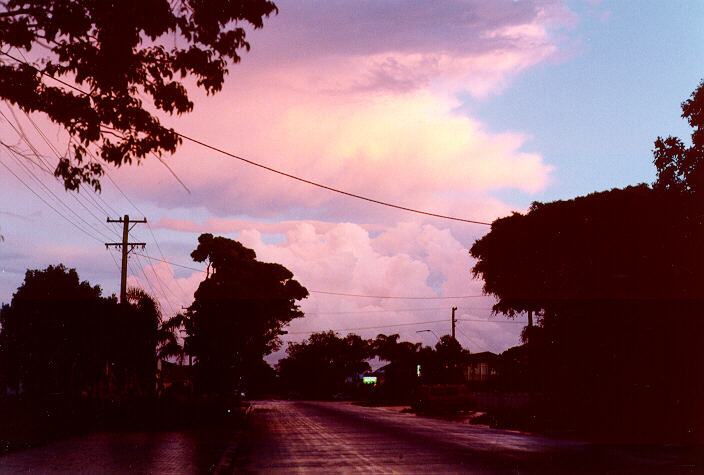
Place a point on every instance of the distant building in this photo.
(173, 377)
(481, 366)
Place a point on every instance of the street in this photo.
(324, 437)
(341, 437)
(122, 452)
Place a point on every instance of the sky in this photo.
(466, 108)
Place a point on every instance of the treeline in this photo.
(327, 365)
(61, 338)
(72, 359)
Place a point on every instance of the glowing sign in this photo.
(369, 379)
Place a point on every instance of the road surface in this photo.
(122, 452)
(325, 437)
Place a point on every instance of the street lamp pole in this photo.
(431, 331)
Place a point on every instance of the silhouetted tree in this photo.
(390, 349)
(139, 341)
(48, 341)
(59, 336)
(681, 167)
(615, 278)
(400, 376)
(169, 345)
(238, 312)
(120, 54)
(320, 366)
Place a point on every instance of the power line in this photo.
(153, 288)
(395, 296)
(161, 286)
(14, 153)
(427, 309)
(49, 192)
(342, 294)
(491, 321)
(172, 263)
(114, 260)
(368, 328)
(161, 253)
(329, 188)
(90, 195)
(270, 169)
(17, 127)
(49, 205)
(416, 309)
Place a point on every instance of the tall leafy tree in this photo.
(48, 337)
(130, 57)
(401, 374)
(60, 336)
(239, 310)
(616, 279)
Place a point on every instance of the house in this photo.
(481, 366)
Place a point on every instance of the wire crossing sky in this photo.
(469, 110)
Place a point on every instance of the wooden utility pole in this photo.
(453, 322)
(125, 250)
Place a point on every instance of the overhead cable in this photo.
(270, 169)
(332, 293)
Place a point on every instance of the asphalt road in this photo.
(122, 452)
(328, 437)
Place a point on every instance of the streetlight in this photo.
(436, 336)
(431, 331)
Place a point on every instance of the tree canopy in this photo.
(130, 58)
(681, 167)
(632, 243)
(59, 335)
(326, 364)
(320, 366)
(239, 310)
(616, 279)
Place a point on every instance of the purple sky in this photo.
(464, 108)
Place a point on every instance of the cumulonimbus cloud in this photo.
(374, 114)
(406, 260)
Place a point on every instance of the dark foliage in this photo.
(616, 281)
(120, 53)
(681, 167)
(635, 244)
(60, 338)
(324, 364)
(400, 374)
(50, 338)
(238, 312)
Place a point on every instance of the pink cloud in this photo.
(409, 259)
(409, 149)
(159, 280)
(229, 226)
(322, 97)
(362, 96)
(373, 114)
